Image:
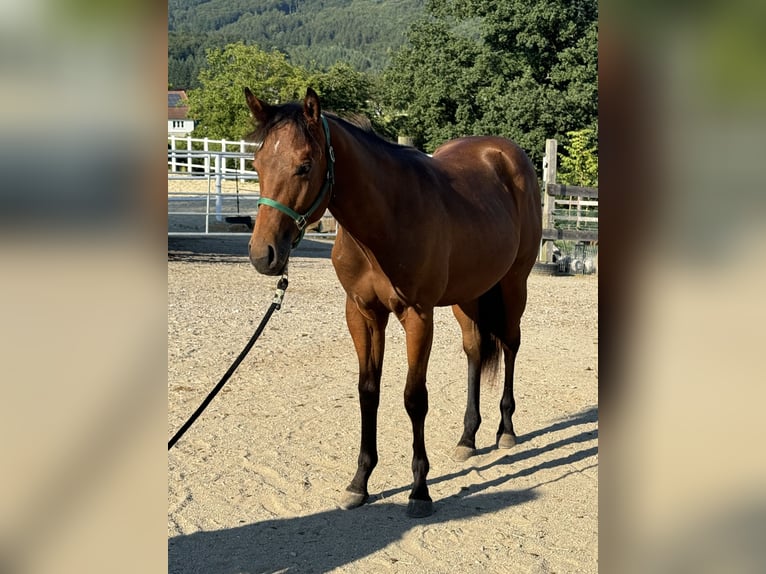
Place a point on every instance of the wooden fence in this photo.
(569, 212)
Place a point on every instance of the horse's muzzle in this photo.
(269, 259)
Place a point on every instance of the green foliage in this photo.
(346, 91)
(218, 104)
(343, 89)
(524, 69)
(313, 34)
(579, 165)
(432, 81)
(186, 57)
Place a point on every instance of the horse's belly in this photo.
(464, 291)
(475, 266)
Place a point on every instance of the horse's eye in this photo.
(303, 169)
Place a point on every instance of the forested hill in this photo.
(314, 34)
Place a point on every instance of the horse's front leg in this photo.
(367, 327)
(419, 329)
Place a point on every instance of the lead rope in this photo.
(276, 304)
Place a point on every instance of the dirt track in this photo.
(252, 486)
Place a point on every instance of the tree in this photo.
(524, 69)
(579, 166)
(432, 80)
(344, 90)
(314, 34)
(218, 105)
(341, 88)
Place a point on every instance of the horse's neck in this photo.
(364, 194)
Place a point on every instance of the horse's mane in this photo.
(358, 124)
(361, 128)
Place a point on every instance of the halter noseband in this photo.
(303, 220)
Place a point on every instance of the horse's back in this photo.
(483, 156)
(496, 172)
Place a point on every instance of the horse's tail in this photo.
(491, 321)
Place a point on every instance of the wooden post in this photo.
(550, 167)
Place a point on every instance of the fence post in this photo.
(173, 166)
(550, 167)
(206, 148)
(218, 196)
(189, 156)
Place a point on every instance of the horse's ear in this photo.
(259, 108)
(311, 107)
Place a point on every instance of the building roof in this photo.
(177, 107)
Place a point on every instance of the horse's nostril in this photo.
(272, 255)
(266, 258)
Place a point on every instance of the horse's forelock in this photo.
(283, 114)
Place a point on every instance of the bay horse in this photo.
(460, 228)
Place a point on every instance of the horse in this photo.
(460, 228)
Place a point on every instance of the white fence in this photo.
(212, 188)
(194, 154)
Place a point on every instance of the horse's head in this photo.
(295, 174)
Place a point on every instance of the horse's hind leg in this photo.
(506, 437)
(466, 446)
(367, 329)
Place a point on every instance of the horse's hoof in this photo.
(463, 453)
(420, 508)
(351, 500)
(506, 441)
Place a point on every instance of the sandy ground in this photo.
(202, 186)
(253, 485)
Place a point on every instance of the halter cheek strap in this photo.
(302, 220)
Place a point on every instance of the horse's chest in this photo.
(372, 289)
(375, 289)
(394, 283)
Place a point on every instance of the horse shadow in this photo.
(316, 543)
(330, 539)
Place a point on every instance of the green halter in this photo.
(303, 220)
